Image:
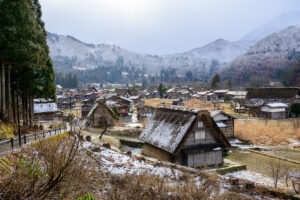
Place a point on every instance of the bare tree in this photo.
(286, 173)
(275, 170)
(295, 178)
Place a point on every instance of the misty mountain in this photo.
(68, 53)
(221, 50)
(267, 58)
(278, 23)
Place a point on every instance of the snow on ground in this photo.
(134, 125)
(121, 164)
(256, 178)
(239, 144)
(117, 163)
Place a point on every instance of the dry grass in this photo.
(156, 102)
(60, 169)
(268, 132)
(7, 130)
(75, 112)
(120, 122)
(142, 187)
(195, 103)
(144, 122)
(46, 170)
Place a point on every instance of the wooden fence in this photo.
(12, 143)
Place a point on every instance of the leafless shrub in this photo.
(48, 169)
(231, 196)
(295, 178)
(275, 170)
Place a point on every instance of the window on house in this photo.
(200, 124)
(199, 135)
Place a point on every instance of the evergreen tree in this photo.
(162, 90)
(24, 55)
(215, 81)
(229, 84)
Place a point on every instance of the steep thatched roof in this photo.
(272, 93)
(122, 91)
(168, 127)
(101, 102)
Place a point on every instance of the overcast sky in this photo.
(160, 26)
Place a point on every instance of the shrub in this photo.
(295, 109)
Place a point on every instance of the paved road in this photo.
(13, 143)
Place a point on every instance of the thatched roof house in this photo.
(186, 136)
(123, 92)
(101, 115)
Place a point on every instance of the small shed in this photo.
(274, 111)
(224, 121)
(101, 115)
(185, 136)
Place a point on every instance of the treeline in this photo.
(291, 76)
(66, 80)
(26, 68)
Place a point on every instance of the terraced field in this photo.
(285, 153)
(258, 162)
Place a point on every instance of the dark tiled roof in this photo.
(272, 93)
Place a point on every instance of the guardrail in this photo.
(15, 142)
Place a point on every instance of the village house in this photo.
(203, 95)
(101, 115)
(224, 121)
(46, 110)
(232, 96)
(274, 111)
(258, 97)
(68, 103)
(120, 100)
(122, 110)
(136, 99)
(86, 106)
(219, 95)
(123, 92)
(122, 105)
(177, 102)
(152, 92)
(144, 111)
(185, 136)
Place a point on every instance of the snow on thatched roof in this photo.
(166, 130)
(102, 103)
(169, 126)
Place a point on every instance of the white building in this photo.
(274, 110)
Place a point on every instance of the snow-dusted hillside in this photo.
(278, 23)
(70, 53)
(267, 58)
(221, 50)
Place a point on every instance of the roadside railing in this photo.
(15, 142)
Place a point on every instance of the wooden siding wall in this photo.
(205, 159)
(191, 141)
(154, 152)
(229, 130)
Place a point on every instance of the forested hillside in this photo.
(267, 60)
